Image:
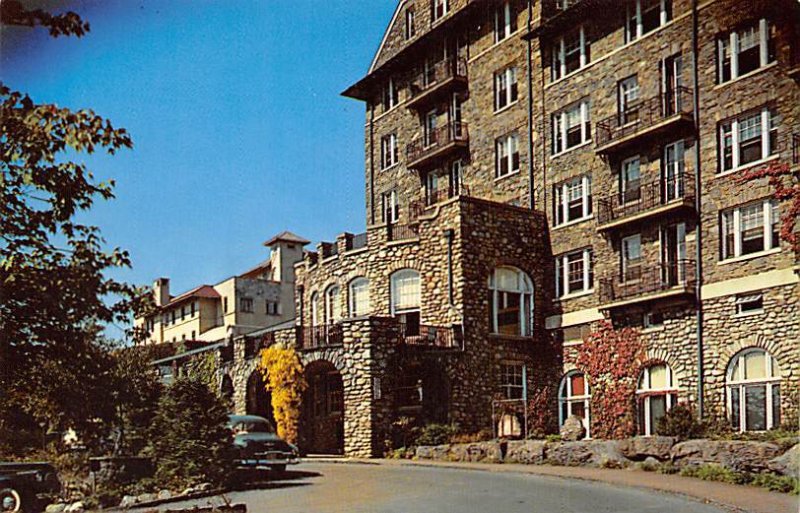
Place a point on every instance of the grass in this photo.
(710, 472)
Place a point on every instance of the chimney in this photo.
(161, 291)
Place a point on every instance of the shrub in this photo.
(553, 438)
(283, 374)
(775, 483)
(468, 438)
(436, 434)
(668, 468)
(680, 422)
(190, 442)
(712, 472)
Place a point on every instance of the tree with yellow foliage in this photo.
(283, 377)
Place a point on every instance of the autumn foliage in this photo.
(786, 188)
(611, 359)
(284, 379)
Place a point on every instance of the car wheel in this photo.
(278, 468)
(10, 501)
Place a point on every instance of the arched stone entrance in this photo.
(258, 400)
(322, 418)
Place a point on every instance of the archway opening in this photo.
(322, 418)
(258, 400)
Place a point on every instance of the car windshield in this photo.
(253, 426)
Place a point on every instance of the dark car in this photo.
(258, 446)
(25, 486)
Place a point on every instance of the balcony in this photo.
(645, 201)
(558, 15)
(437, 145)
(418, 207)
(665, 114)
(431, 337)
(444, 77)
(642, 282)
(320, 337)
(401, 232)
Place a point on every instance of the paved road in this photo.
(354, 488)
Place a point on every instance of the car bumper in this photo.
(270, 460)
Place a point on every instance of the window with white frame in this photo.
(246, 304)
(405, 300)
(754, 391)
(645, 16)
(745, 50)
(575, 272)
(630, 180)
(511, 386)
(391, 95)
(314, 306)
(439, 8)
(411, 23)
(748, 138)
(505, 21)
(506, 90)
(656, 395)
(390, 153)
(572, 200)
(749, 303)
(574, 398)
(652, 319)
(510, 302)
(571, 127)
(749, 229)
(271, 307)
(628, 95)
(359, 297)
(506, 155)
(632, 258)
(333, 306)
(571, 52)
(390, 207)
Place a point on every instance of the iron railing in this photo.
(358, 241)
(795, 148)
(432, 142)
(436, 74)
(639, 279)
(254, 345)
(326, 335)
(644, 114)
(401, 231)
(638, 198)
(424, 335)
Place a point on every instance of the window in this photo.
(333, 307)
(439, 8)
(754, 391)
(572, 200)
(456, 175)
(570, 53)
(511, 381)
(652, 319)
(183, 312)
(389, 151)
(359, 297)
(575, 335)
(748, 138)
(628, 95)
(505, 88)
(632, 258)
(411, 27)
(405, 300)
(429, 129)
(575, 272)
(507, 155)
(510, 302)
(750, 229)
(194, 308)
(573, 399)
(656, 395)
(246, 304)
(749, 304)
(391, 95)
(315, 317)
(645, 16)
(225, 305)
(571, 127)
(505, 21)
(194, 335)
(390, 207)
(271, 307)
(629, 181)
(745, 50)
(674, 168)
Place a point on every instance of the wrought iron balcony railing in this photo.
(423, 335)
(638, 199)
(436, 78)
(641, 280)
(325, 335)
(644, 116)
(395, 232)
(436, 143)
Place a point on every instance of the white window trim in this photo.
(668, 391)
(587, 260)
(586, 184)
(766, 206)
(560, 57)
(353, 303)
(509, 74)
(565, 396)
(507, 22)
(585, 118)
(393, 280)
(733, 45)
(505, 141)
(629, 38)
(445, 10)
(525, 330)
(766, 150)
(769, 382)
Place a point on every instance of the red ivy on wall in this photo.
(786, 188)
(611, 359)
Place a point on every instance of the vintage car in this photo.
(27, 486)
(258, 446)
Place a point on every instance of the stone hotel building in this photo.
(534, 168)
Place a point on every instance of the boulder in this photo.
(740, 456)
(573, 429)
(58, 507)
(203, 487)
(75, 507)
(488, 452)
(146, 497)
(787, 463)
(164, 495)
(432, 452)
(594, 453)
(525, 451)
(127, 501)
(642, 447)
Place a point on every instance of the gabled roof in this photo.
(259, 269)
(287, 236)
(203, 291)
(374, 63)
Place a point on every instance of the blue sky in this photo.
(234, 108)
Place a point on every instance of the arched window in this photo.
(510, 302)
(333, 307)
(359, 297)
(405, 300)
(656, 394)
(754, 391)
(314, 309)
(573, 399)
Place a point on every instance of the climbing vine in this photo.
(786, 188)
(283, 377)
(611, 359)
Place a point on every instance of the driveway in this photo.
(329, 487)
